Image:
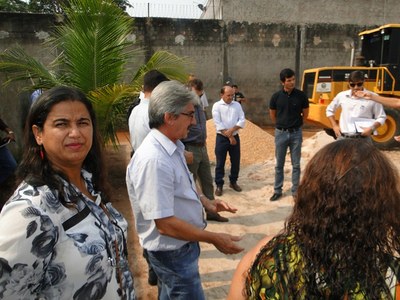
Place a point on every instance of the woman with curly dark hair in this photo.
(342, 240)
(60, 237)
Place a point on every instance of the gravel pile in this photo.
(257, 145)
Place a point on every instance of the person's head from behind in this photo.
(151, 79)
(288, 79)
(351, 184)
(356, 81)
(61, 133)
(346, 213)
(196, 86)
(172, 105)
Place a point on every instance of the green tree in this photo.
(13, 6)
(56, 6)
(124, 4)
(45, 6)
(93, 54)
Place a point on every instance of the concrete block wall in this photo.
(358, 12)
(28, 31)
(202, 41)
(257, 52)
(250, 54)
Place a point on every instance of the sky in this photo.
(166, 8)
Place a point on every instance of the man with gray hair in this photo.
(167, 205)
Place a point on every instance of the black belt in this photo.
(195, 144)
(226, 136)
(290, 130)
(353, 136)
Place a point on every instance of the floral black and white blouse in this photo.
(48, 251)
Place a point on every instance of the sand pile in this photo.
(311, 145)
(257, 145)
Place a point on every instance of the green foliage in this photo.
(94, 43)
(173, 66)
(18, 65)
(46, 6)
(94, 54)
(109, 103)
(123, 4)
(13, 6)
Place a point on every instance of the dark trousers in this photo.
(7, 164)
(222, 147)
(201, 169)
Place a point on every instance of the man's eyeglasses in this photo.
(189, 115)
(356, 84)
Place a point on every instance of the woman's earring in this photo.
(41, 152)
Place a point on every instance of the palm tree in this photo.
(93, 53)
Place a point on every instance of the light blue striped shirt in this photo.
(160, 186)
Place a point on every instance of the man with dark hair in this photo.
(195, 142)
(288, 108)
(139, 118)
(228, 117)
(355, 108)
(238, 96)
(203, 97)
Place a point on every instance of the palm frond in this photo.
(171, 65)
(18, 65)
(94, 41)
(109, 103)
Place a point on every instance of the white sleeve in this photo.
(332, 107)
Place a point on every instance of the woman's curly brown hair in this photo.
(345, 222)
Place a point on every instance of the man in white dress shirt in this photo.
(139, 118)
(355, 108)
(228, 117)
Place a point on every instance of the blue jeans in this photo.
(283, 141)
(222, 147)
(178, 272)
(7, 164)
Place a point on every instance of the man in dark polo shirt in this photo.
(238, 96)
(288, 108)
(195, 142)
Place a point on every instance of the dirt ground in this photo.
(217, 282)
(256, 216)
(118, 159)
